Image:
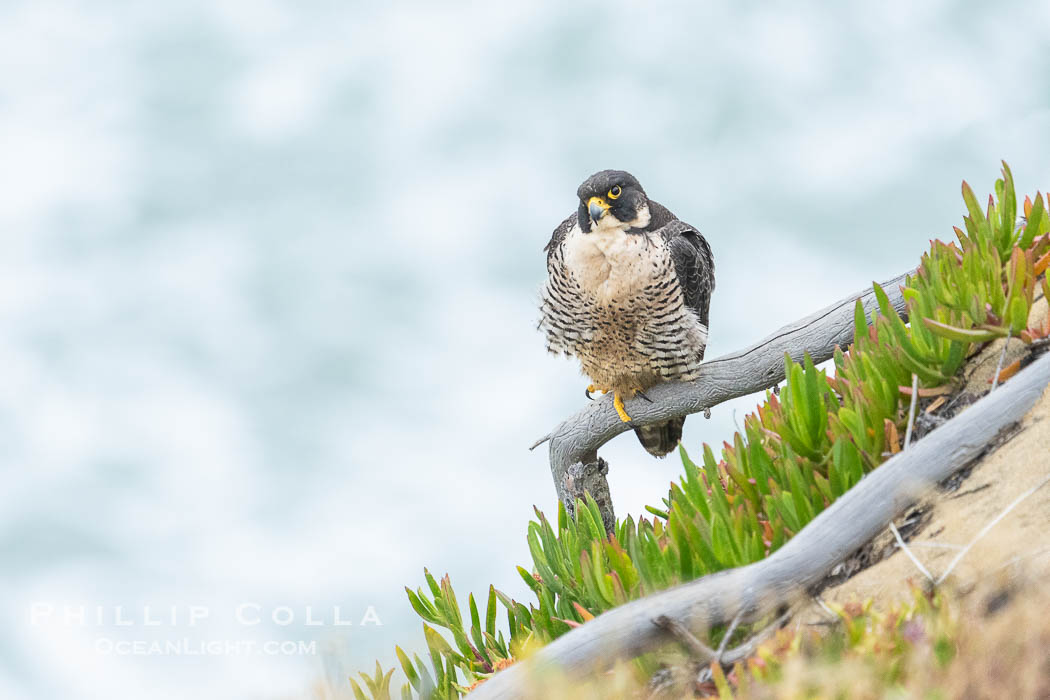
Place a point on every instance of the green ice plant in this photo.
(795, 455)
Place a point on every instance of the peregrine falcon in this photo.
(627, 292)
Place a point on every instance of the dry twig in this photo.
(1002, 356)
(728, 634)
(697, 649)
(904, 547)
(704, 654)
(989, 526)
(911, 409)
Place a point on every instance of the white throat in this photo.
(609, 263)
(609, 223)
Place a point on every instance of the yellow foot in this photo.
(620, 410)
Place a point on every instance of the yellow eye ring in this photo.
(615, 192)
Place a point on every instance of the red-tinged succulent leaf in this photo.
(971, 335)
(1003, 331)
(892, 436)
(1008, 371)
(1041, 264)
(926, 392)
(583, 612)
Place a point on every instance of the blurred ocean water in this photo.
(269, 276)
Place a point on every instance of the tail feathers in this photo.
(660, 439)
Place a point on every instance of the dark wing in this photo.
(559, 234)
(693, 263)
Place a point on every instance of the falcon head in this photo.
(612, 199)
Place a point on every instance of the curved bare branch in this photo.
(574, 443)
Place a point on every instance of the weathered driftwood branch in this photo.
(574, 444)
(802, 563)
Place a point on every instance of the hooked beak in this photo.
(597, 208)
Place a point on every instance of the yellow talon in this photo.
(620, 410)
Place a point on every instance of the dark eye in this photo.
(615, 192)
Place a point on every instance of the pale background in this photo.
(269, 271)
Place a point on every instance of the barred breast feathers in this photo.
(644, 294)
